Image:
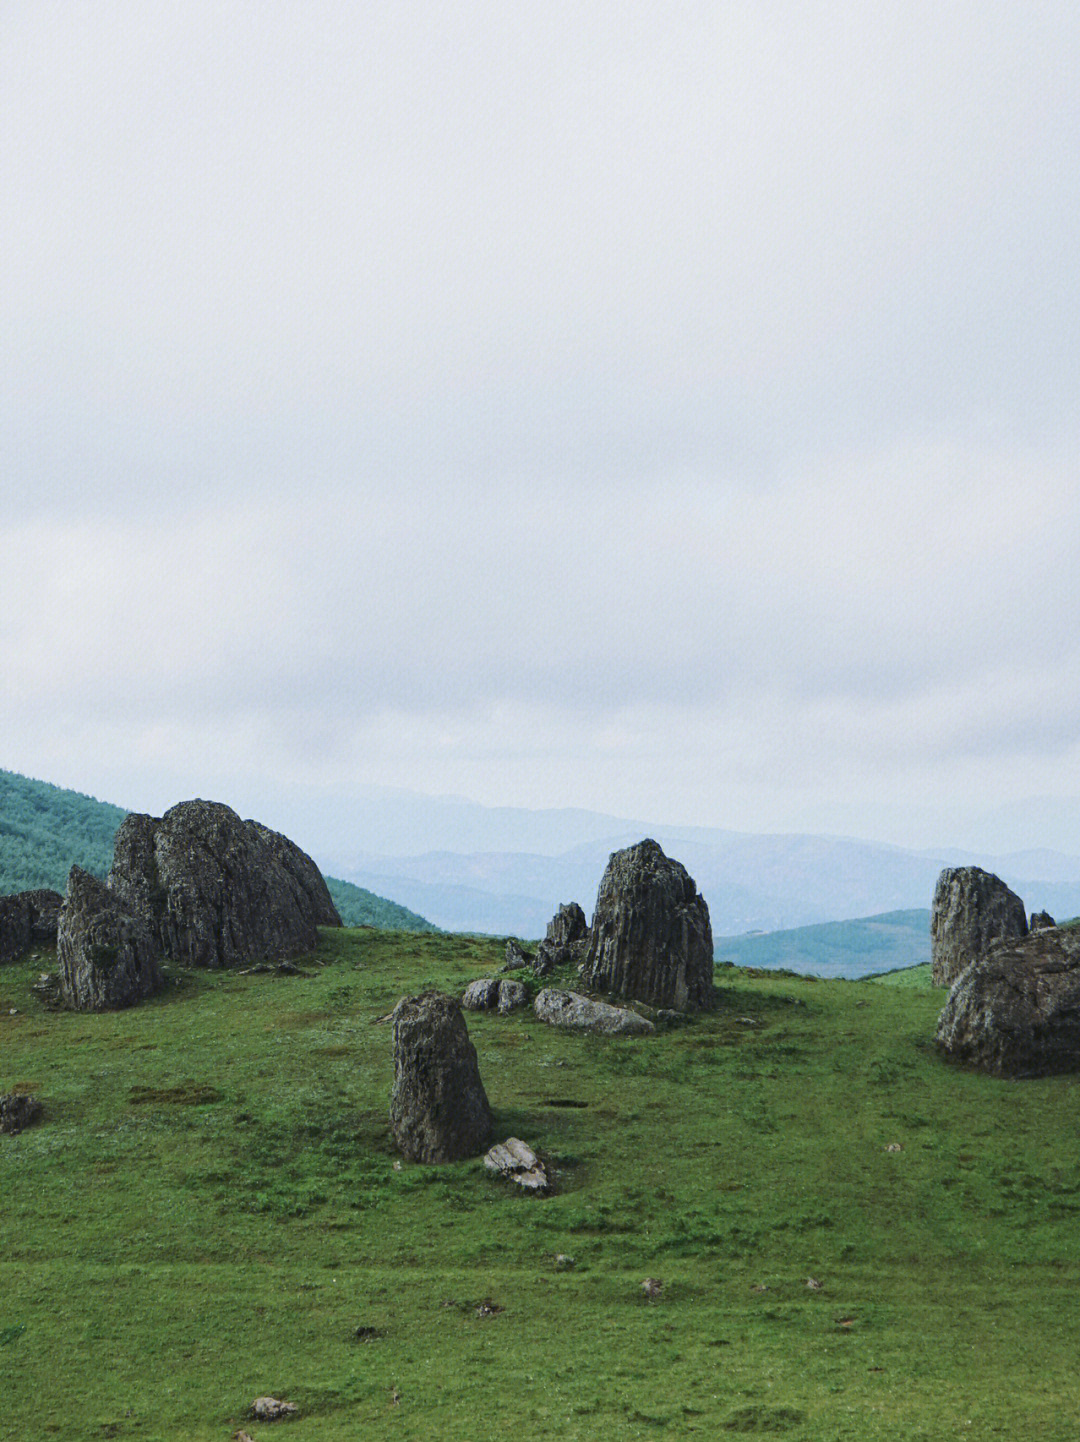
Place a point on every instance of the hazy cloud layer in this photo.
(554, 405)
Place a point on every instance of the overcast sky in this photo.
(667, 410)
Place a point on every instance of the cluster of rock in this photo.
(198, 886)
(566, 941)
(1013, 1007)
(28, 919)
(492, 993)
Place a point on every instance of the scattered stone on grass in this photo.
(564, 1263)
(971, 909)
(107, 955)
(18, 1111)
(242, 1436)
(271, 1409)
(813, 1284)
(489, 993)
(516, 1160)
(651, 938)
(47, 987)
(571, 1009)
(369, 1334)
(439, 1110)
(488, 1308)
(1016, 1011)
(653, 1289)
(894, 1147)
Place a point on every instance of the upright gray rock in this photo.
(27, 919)
(651, 938)
(218, 891)
(438, 1108)
(566, 941)
(971, 909)
(1016, 1010)
(108, 957)
(1040, 920)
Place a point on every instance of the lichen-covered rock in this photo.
(18, 1111)
(482, 994)
(439, 1110)
(1016, 1011)
(517, 1162)
(27, 919)
(651, 939)
(218, 891)
(580, 1013)
(107, 956)
(971, 909)
(512, 996)
(516, 956)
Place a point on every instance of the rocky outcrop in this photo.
(490, 993)
(518, 1163)
(438, 1108)
(1040, 920)
(18, 1111)
(651, 938)
(579, 1013)
(971, 909)
(1016, 1010)
(28, 919)
(107, 956)
(516, 956)
(218, 891)
(566, 941)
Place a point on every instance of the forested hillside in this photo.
(44, 830)
(837, 948)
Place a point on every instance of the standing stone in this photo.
(1040, 920)
(438, 1108)
(651, 938)
(1016, 1010)
(27, 919)
(218, 891)
(108, 957)
(971, 909)
(566, 941)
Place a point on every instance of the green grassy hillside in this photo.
(44, 830)
(211, 1209)
(837, 948)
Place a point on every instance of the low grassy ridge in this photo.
(211, 1209)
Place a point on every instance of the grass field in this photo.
(210, 1209)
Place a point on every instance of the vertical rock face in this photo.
(1016, 1010)
(971, 909)
(438, 1108)
(218, 891)
(27, 918)
(108, 957)
(651, 938)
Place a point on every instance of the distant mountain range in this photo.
(751, 882)
(860, 947)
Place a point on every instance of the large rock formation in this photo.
(566, 941)
(218, 891)
(1016, 1011)
(438, 1108)
(971, 909)
(650, 937)
(108, 956)
(27, 918)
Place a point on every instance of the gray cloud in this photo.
(551, 404)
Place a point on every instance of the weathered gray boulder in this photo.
(1040, 920)
(512, 996)
(516, 956)
(27, 919)
(651, 938)
(18, 1111)
(218, 891)
(518, 1163)
(1016, 1010)
(107, 956)
(571, 1009)
(490, 993)
(438, 1107)
(971, 909)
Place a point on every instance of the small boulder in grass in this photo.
(271, 1409)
